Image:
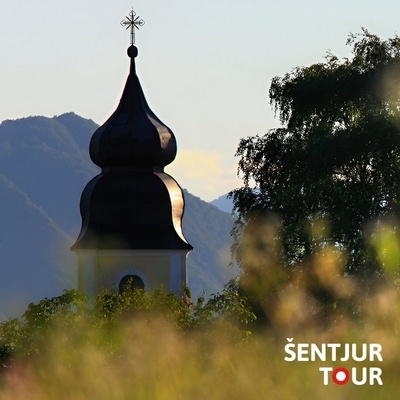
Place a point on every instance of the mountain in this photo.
(223, 203)
(44, 166)
(208, 229)
(34, 258)
(47, 158)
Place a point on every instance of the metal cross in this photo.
(132, 21)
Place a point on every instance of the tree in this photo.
(334, 165)
(74, 317)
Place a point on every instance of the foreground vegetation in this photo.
(158, 346)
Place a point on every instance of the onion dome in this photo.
(132, 203)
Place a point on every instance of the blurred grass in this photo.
(155, 361)
(168, 348)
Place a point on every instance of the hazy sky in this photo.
(205, 66)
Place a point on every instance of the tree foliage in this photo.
(334, 164)
(102, 321)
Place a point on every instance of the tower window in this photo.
(130, 282)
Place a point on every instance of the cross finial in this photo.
(132, 21)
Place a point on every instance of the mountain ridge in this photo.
(223, 203)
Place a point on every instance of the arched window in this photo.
(130, 282)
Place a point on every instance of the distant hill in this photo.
(47, 158)
(44, 166)
(208, 229)
(34, 257)
(223, 203)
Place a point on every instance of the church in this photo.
(132, 211)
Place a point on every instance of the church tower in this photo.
(132, 211)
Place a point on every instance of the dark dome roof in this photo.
(133, 135)
(131, 209)
(132, 204)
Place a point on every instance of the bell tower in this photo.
(132, 211)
